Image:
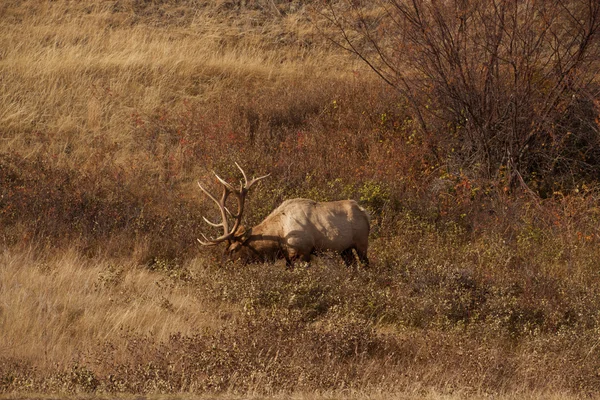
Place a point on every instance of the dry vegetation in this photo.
(110, 110)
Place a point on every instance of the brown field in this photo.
(111, 110)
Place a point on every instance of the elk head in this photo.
(233, 236)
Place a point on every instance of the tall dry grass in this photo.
(78, 73)
(109, 112)
(60, 306)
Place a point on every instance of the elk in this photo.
(295, 230)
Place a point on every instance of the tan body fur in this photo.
(301, 227)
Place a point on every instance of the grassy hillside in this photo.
(110, 111)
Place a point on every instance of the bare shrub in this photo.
(502, 88)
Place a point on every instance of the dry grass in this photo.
(417, 325)
(57, 307)
(109, 112)
(79, 71)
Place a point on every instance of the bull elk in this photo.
(295, 230)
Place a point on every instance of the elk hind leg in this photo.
(348, 257)
(361, 251)
(362, 256)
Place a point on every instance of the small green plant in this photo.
(374, 195)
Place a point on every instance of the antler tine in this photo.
(224, 183)
(212, 223)
(243, 173)
(247, 184)
(254, 180)
(206, 192)
(221, 204)
(209, 243)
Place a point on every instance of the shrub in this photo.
(492, 86)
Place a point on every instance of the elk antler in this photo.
(240, 196)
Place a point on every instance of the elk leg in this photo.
(304, 258)
(361, 251)
(362, 256)
(288, 263)
(294, 255)
(348, 257)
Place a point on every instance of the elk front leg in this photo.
(295, 254)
